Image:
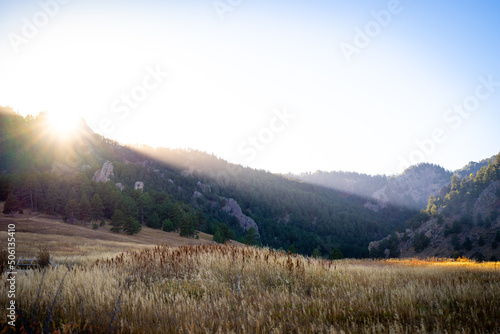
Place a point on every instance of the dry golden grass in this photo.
(227, 289)
(63, 240)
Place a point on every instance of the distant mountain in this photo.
(463, 219)
(410, 189)
(85, 178)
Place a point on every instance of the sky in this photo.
(296, 86)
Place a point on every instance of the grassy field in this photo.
(205, 288)
(64, 241)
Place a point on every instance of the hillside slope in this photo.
(462, 220)
(411, 188)
(86, 177)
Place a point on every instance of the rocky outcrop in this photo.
(139, 185)
(204, 187)
(120, 186)
(104, 174)
(233, 208)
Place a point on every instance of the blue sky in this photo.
(266, 84)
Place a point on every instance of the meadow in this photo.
(210, 288)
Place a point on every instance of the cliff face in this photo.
(104, 174)
(233, 208)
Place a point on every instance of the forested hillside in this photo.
(461, 220)
(86, 178)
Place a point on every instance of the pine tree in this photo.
(131, 226)
(218, 236)
(189, 225)
(11, 204)
(316, 253)
(336, 254)
(252, 237)
(117, 220)
(481, 241)
(468, 244)
(85, 210)
(154, 221)
(72, 211)
(168, 226)
(96, 207)
(145, 204)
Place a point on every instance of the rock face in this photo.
(204, 187)
(104, 174)
(233, 208)
(486, 201)
(139, 185)
(120, 186)
(412, 188)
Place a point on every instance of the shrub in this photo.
(336, 254)
(95, 226)
(316, 253)
(43, 257)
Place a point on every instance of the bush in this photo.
(102, 222)
(316, 253)
(43, 257)
(336, 254)
(95, 226)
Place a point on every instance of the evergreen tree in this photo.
(316, 253)
(175, 214)
(468, 244)
(145, 205)
(227, 234)
(252, 237)
(481, 241)
(131, 226)
(154, 221)
(219, 237)
(85, 209)
(189, 225)
(11, 204)
(72, 211)
(117, 220)
(97, 208)
(336, 254)
(168, 226)
(455, 242)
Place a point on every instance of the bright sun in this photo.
(63, 123)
